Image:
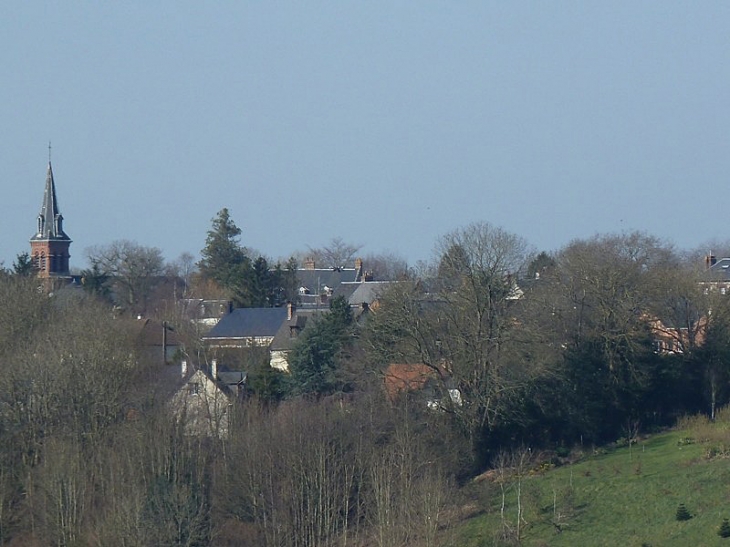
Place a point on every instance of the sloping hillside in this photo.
(620, 496)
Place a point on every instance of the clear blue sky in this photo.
(384, 123)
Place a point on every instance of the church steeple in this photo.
(50, 220)
(49, 246)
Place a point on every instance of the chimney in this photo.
(358, 269)
(309, 263)
(289, 311)
(184, 368)
(710, 261)
(214, 369)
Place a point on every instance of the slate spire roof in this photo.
(50, 220)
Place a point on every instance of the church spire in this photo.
(49, 245)
(50, 220)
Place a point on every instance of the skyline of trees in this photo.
(336, 253)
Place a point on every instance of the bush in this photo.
(722, 415)
(682, 513)
(724, 531)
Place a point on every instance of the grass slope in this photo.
(622, 497)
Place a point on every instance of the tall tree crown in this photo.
(222, 255)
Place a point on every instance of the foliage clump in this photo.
(248, 280)
(682, 513)
(317, 358)
(724, 531)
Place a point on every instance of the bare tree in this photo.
(465, 324)
(336, 254)
(605, 293)
(607, 283)
(185, 268)
(408, 490)
(511, 468)
(386, 266)
(134, 269)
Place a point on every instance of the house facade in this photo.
(201, 405)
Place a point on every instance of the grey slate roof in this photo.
(50, 220)
(720, 271)
(316, 280)
(290, 330)
(364, 292)
(249, 323)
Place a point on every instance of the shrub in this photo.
(722, 415)
(682, 513)
(724, 531)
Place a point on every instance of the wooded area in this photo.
(544, 351)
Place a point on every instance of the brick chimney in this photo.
(710, 261)
(290, 308)
(309, 263)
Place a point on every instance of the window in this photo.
(193, 388)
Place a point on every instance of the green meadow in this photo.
(627, 495)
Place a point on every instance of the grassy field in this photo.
(622, 496)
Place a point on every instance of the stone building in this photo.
(49, 246)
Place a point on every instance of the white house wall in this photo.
(203, 407)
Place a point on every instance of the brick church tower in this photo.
(49, 246)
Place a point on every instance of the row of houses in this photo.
(276, 330)
(205, 392)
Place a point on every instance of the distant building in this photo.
(716, 276)
(201, 405)
(317, 285)
(246, 327)
(50, 244)
(275, 329)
